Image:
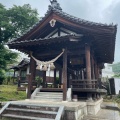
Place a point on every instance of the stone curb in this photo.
(116, 108)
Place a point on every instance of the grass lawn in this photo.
(10, 93)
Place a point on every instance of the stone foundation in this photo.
(73, 110)
(93, 107)
(75, 113)
(87, 108)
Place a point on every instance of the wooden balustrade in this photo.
(84, 84)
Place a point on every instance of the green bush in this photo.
(117, 75)
(2, 76)
(39, 80)
(9, 80)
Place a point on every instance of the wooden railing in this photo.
(85, 83)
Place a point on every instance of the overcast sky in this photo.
(103, 11)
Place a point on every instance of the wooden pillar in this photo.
(29, 86)
(32, 68)
(68, 80)
(14, 76)
(14, 72)
(60, 77)
(88, 63)
(64, 75)
(44, 78)
(54, 78)
(88, 69)
(31, 76)
(92, 68)
(96, 71)
(82, 74)
(19, 78)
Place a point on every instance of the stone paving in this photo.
(106, 114)
(103, 114)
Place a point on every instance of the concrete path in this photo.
(106, 114)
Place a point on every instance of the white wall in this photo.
(107, 71)
(51, 73)
(117, 85)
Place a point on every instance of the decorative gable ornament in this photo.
(52, 22)
(55, 5)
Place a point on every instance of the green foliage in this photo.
(6, 57)
(16, 20)
(21, 18)
(116, 67)
(57, 80)
(2, 75)
(39, 80)
(117, 75)
(13, 22)
(112, 98)
(9, 92)
(10, 80)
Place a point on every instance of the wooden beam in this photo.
(65, 75)
(83, 27)
(54, 53)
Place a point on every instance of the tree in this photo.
(22, 18)
(13, 22)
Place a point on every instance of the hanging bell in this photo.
(44, 68)
(52, 66)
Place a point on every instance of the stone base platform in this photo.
(73, 110)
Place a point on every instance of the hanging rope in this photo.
(46, 64)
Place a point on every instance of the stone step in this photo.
(47, 99)
(15, 117)
(110, 107)
(50, 97)
(90, 118)
(34, 107)
(29, 110)
(39, 94)
(55, 93)
(33, 113)
(93, 117)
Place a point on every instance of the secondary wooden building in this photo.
(87, 46)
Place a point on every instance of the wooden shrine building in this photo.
(87, 46)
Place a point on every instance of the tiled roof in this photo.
(69, 17)
(44, 40)
(24, 62)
